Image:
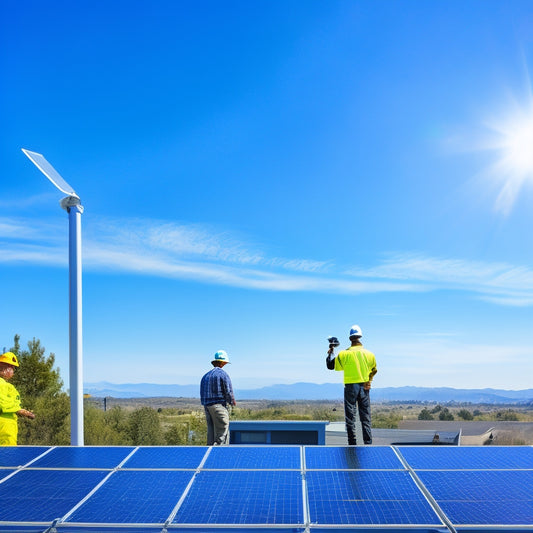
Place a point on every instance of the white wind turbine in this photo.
(72, 204)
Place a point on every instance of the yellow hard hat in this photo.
(10, 358)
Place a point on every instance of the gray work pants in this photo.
(355, 396)
(217, 417)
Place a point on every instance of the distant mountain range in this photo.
(314, 391)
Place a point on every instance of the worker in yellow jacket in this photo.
(359, 367)
(9, 401)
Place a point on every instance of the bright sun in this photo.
(513, 168)
(517, 147)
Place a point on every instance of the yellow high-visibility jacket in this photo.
(357, 364)
(9, 405)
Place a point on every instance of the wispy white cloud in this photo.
(29, 201)
(411, 266)
(25, 229)
(11, 230)
(33, 254)
(179, 241)
(227, 274)
(302, 265)
(500, 283)
(525, 300)
(206, 255)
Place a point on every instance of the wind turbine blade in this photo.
(50, 172)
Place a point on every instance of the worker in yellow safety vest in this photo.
(9, 401)
(359, 367)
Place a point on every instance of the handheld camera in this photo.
(333, 342)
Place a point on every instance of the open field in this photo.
(507, 425)
(330, 410)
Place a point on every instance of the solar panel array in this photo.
(297, 489)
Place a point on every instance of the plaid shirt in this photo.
(216, 387)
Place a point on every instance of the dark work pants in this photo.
(356, 397)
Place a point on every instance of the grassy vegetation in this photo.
(176, 421)
(383, 414)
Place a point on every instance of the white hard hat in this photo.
(221, 355)
(355, 331)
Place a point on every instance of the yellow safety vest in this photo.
(357, 364)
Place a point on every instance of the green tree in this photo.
(508, 416)
(325, 413)
(36, 375)
(100, 429)
(51, 426)
(144, 427)
(445, 414)
(465, 414)
(117, 420)
(177, 434)
(40, 387)
(436, 409)
(425, 414)
(198, 428)
(386, 420)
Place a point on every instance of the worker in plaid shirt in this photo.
(216, 394)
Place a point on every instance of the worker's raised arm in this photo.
(330, 359)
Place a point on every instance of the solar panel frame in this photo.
(474, 497)
(174, 457)
(17, 456)
(156, 494)
(254, 458)
(468, 457)
(6, 473)
(44, 495)
(352, 458)
(67, 527)
(238, 497)
(359, 496)
(90, 457)
(173, 528)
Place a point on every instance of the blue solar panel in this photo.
(483, 497)
(167, 457)
(489, 513)
(172, 528)
(137, 496)
(5, 472)
(83, 457)
(44, 495)
(468, 457)
(256, 497)
(367, 497)
(19, 455)
(161, 528)
(256, 457)
(110, 528)
(351, 457)
(268, 487)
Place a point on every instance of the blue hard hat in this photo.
(221, 355)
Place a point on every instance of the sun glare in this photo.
(517, 148)
(513, 147)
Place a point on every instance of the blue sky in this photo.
(257, 176)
